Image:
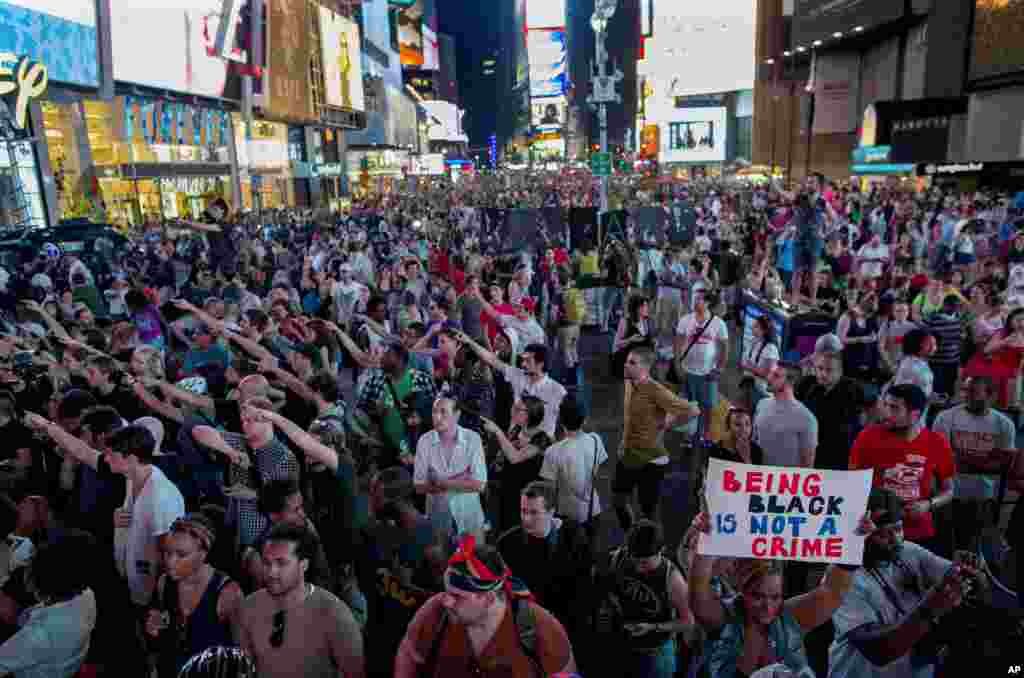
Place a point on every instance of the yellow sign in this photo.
(25, 79)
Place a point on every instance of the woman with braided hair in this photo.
(194, 603)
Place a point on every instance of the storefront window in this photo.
(22, 200)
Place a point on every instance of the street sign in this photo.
(601, 164)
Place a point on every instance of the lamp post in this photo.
(602, 83)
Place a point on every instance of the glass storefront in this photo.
(22, 201)
(263, 159)
(136, 159)
(376, 172)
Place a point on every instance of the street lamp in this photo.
(602, 84)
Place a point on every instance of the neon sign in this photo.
(26, 80)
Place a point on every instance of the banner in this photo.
(836, 91)
(342, 61)
(289, 97)
(546, 51)
(410, 34)
(778, 513)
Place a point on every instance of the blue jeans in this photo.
(704, 392)
(659, 664)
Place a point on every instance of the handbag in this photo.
(693, 341)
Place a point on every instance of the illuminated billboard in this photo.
(444, 121)
(548, 113)
(410, 34)
(342, 61)
(180, 56)
(695, 51)
(545, 13)
(59, 34)
(694, 135)
(428, 164)
(547, 57)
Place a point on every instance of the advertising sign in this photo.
(22, 80)
(444, 121)
(180, 56)
(685, 33)
(695, 135)
(428, 164)
(545, 13)
(836, 93)
(819, 19)
(780, 513)
(548, 113)
(997, 48)
(59, 34)
(410, 34)
(431, 49)
(547, 57)
(289, 96)
(342, 61)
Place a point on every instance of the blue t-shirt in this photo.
(215, 354)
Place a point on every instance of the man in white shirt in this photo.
(451, 470)
(701, 349)
(872, 258)
(530, 380)
(571, 464)
(152, 505)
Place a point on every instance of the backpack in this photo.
(525, 620)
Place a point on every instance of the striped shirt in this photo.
(949, 333)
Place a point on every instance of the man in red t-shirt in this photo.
(906, 457)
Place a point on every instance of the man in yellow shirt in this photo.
(650, 409)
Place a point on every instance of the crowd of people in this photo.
(361, 444)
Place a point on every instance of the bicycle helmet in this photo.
(219, 662)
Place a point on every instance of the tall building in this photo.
(448, 79)
(883, 91)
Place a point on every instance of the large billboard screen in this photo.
(548, 113)
(289, 97)
(444, 121)
(694, 135)
(677, 54)
(819, 19)
(342, 61)
(180, 56)
(60, 34)
(997, 48)
(410, 34)
(545, 13)
(547, 56)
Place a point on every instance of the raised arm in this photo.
(164, 409)
(209, 437)
(707, 608)
(511, 453)
(312, 447)
(50, 321)
(196, 226)
(72, 445)
(364, 359)
(487, 356)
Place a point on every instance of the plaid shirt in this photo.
(376, 390)
(272, 462)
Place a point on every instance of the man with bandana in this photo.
(478, 625)
(896, 601)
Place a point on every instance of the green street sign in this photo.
(601, 164)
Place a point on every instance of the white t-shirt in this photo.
(755, 356)
(547, 390)
(153, 511)
(872, 269)
(701, 358)
(569, 464)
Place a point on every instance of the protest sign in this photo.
(779, 513)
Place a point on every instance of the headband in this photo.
(201, 532)
(467, 572)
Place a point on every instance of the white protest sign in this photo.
(779, 513)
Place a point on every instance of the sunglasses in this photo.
(277, 629)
